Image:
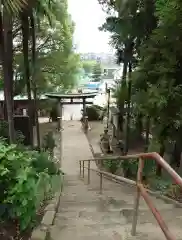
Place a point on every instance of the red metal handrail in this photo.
(140, 188)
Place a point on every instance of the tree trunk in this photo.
(139, 125)
(127, 133)
(121, 106)
(7, 63)
(176, 155)
(147, 133)
(25, 34)
(161, 153)
(2, 55)
(33, 78)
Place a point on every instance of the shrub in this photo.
(93, 113)
(42, 162)
(26, 179)
(130, 167)
(49, 142)
(111, 166)
(19, 137)
(161, 185)
(5, 134)
(3, 129)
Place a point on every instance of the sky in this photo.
(88, 17)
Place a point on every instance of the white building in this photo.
(118, 74)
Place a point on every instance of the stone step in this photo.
(124, 215)
(99, 206)
(115, 200)
(109, 232)
(85, 233)
(84, 214)
(90, 218)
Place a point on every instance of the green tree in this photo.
(57, 66)
(129, 30)
(6, 39)
(88, 65)
(53, 63)
(157, 79)
(97, 72)
(153, 28)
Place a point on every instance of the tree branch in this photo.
(43, 44)
(15, 32)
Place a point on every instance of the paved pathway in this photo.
(75, 147)
(84, 214)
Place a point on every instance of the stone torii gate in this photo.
(74, 99)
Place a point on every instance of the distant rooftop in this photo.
(21, 97)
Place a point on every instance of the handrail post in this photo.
(83, 169)
(100, 183)
(89, 172)
(137, 198)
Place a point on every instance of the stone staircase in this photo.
(84, 214)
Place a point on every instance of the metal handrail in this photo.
(140, 188)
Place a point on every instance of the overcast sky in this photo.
(88, 16)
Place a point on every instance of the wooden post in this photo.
(137, 198)
(80, 168)
(83, 169)
(135, 212)
(89, 172)
(100, 183)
